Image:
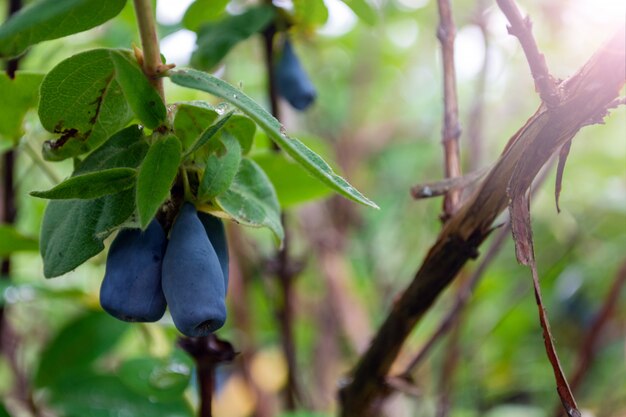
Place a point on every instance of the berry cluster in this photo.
(145, 272)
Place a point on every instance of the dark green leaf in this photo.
(92, 185)
(243, 129)
(13, 241)
(191, 119)
(52, 19)
(3, 411)
(293, 184)
(141, 96)
(203, 11)
(156, 175)
(106, 396)
(89, 96)
(251, 199)
(297, 150)
(73, 230)
(220, 169)
(364, 10)
(162, 378)
(216, 39)
(77, 346)
(18, 95)
(208, 134)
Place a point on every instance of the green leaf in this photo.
(208, 134)
(364, 10)
(18, 96)
(13, 241)
(143, 99)
(106, 396)
(77, 346)
(297, 150)
(293, 184)
(156, 175)
(164, 379)
(73, 230)
(3, 411)
(90, 96)
(243, 129)
(92, 185)
(310, 12)
(52, 19)
(191, 119)
(251, 199)
(202, 11)
(216, 39)
(220, 169)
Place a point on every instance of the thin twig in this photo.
(45, 168)
(149, 42)
(451, 128)
(521, 28)
(438, 188)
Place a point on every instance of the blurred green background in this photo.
(377, 117)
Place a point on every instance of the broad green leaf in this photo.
(13, 241)
(297, 150)
(18, 96)
(293, 184)
(91, 185)
(243, 129)
(191, 119)
(141, 96)
(221, 168)
(156, 175)
(52, 19)
(208, 134)
(3, 411)
(77, 346)
(106, 396)
(87, 98)
(251, 199)
(216, 39)
(164, 379)
(202, 11)
(73, 230)
(310, 12)
(364, 10)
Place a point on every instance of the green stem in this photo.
(149, 43)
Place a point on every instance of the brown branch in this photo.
(451, 131)
(521, 28)
(585, 95)
(152, 65)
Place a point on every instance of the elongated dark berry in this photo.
(292, 81)
(192, 278)
(214, 228)
(131, 288)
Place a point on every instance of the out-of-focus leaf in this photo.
(364, 10)
(156, 175)
(297, 150)
(203, 11)
(251, 199)
(293, 184)
(91, 185)
(221, 168)
(13, 241)
(216, 39)
(77, 345)
(3, 411)
(163, 379)
(106, 396)
(52, 19)
(18, 96)
(310, 12)
(90, 96)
